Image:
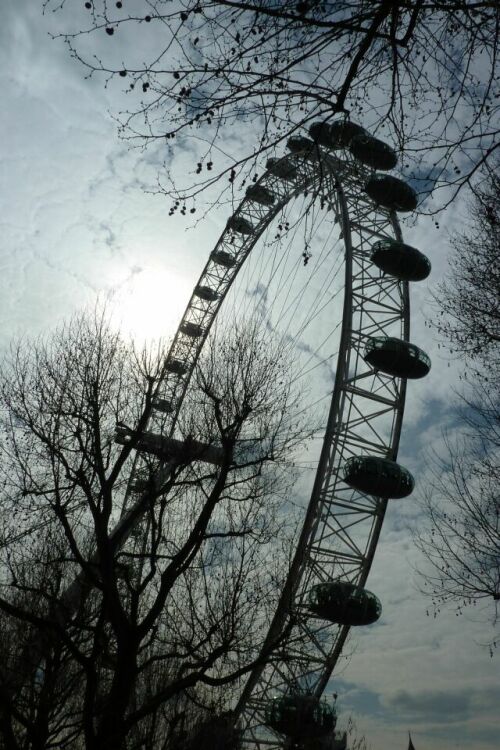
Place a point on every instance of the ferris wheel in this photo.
(340, 170)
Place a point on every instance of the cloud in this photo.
(434, 704)
(76, 225)
(446, 706)
(357, 700)
(424, 180)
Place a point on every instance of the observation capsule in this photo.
(401, 261)
(206, 293)
(300, 144)
(223, 259)
(378, 476)
(191, 329)
(392, 193)
(335, 135)
(319, 132)
(344, 603)
(240, 225)
(163, 405)
(123, 435)
(282, 168)
(373, 152)
(260, 194)
(396, 357)
(300, 716)
(176, 366)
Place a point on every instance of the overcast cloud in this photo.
(77, 226)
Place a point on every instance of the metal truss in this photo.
(341, 527)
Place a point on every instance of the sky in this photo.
(78, 227)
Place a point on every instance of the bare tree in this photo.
(46, 707)
(187, 588)
(468, 300)
(422, 74)
(461, 539)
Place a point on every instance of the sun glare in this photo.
(150, 303)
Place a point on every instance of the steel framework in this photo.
(341, 527)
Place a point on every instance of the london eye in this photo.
(342, 171)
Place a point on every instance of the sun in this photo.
(149, 304)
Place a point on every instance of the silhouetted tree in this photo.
(108, 621)
(468, 300)
(461, 539)
(421, 74)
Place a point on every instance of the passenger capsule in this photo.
(163, 405)
(320, 132)
(300, 716)
(344, 603)
(176, 366)
(123, 434)
(373, 152)
(396, 357)
(282, 168)
(392, 193)
(401, 261)
(206, 293)
(378, 476)
(335, 135)
(223, 259)
(191, 329)
(240, 225)
(298, 144)
(260, 194)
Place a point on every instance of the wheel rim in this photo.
(341, 527)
